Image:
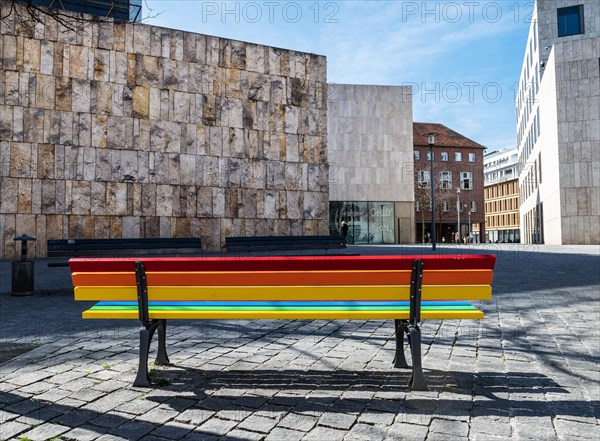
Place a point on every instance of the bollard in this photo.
(23, 270)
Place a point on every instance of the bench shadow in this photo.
(450, 393)
(313, 392)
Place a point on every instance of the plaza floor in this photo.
(529, 370)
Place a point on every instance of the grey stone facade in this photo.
(130, 130)
(370, 132)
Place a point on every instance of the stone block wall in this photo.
(131, 130)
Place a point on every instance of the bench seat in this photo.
(299, 310)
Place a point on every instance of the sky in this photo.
(463, 58)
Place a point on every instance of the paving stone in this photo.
(573, 429)
(7, 416)
(24, 407)
(198, 435)
(45, 431)
(443, 437)
(111, 420)
(498, 426)
(284, 434)
(133, 430)
(365, 431)
(109, 437)
(302, 423)
(29, 378)
(320, 433)
(238, 434)
(337, 420)
(257, 423)
(158, 416)
(83, 433)
(12, 428)
(173, 430)
(384, 419)
(217, 427)
(403, 431)
(449, 427)
(195, 416)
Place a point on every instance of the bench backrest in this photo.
(261, 243)
(126, 246)
(458, 277)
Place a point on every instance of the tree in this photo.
(26, 14)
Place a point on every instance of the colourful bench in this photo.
(406, 289)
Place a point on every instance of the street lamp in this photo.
(458, 212)
(431, 141)
(382, 224)
(469, 235)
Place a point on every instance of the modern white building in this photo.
(501, 180)
(558, 124)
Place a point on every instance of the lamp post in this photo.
(458, 212)
(382, 224)
(431, 141)
(469, 236)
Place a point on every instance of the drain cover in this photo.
(8, 351)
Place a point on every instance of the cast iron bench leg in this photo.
(161, 356)
(399, 358)
(417, 379)
(146, 333)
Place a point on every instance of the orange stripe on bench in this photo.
(261, 278)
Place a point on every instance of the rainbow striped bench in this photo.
(406, 289)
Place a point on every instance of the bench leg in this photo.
(161, 356)
(417, 380)
(142, 378)
(399, 358)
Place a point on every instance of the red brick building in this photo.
(457, 164)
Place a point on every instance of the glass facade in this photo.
(368, 222)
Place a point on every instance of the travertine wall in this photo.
(130, 130)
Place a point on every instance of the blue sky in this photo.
(463, 58)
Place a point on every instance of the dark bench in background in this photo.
(68, 248)
(274, 243)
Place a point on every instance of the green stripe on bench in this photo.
(284, 306)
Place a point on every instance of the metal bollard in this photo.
(23, 270)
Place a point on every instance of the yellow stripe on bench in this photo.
(285, 315)
(274, 293)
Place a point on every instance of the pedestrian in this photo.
(345, 231)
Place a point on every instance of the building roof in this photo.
(444, 137)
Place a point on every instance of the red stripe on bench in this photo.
(283, 263)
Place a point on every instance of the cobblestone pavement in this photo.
(529, 370)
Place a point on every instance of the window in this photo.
(444, 156)
(466, 180)
(417, 155)
(471, 157)
(418, 205)
(429, 155)
(462, 207)
(424, 178)
(446, 180)
(458, 156)
(570, 21)
(473, 206)
(118, 9)
(446, 206)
